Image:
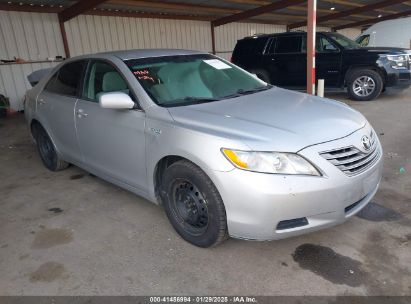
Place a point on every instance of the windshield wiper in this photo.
(189, 100)
(241, 92)
(244, 92)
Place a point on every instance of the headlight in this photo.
(270, 162)
(398, 61)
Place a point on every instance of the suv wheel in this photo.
(193, 205)
(364, 85)
(46, 149)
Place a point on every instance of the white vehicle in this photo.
(390, 33)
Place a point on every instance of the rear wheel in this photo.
(364, 85)
(47, 152)
(193, 205)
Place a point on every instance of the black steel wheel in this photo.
(190, 206)
(193, 205)
(47, 152)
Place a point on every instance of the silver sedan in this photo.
(225, 153)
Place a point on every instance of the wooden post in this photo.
(213, 37)
(64, 37)
(311, 31)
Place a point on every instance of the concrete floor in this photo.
(69, 233)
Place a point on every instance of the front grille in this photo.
(351, 160)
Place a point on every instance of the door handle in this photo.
(80, 113)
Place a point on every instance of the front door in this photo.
(328, 61)
(112, 141)
(285, 61)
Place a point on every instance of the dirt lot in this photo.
(70, 233)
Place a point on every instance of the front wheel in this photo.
(193, 205)
(364, 85)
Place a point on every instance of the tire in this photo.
(193, 205)
(364, 85)
(47, 152)
(263, 75)
(3, 106)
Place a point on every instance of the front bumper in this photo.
(257, 203)
(398, 79)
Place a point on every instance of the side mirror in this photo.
(330, 47)
(116, 100)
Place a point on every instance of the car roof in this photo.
(141, 53)
(278, 34)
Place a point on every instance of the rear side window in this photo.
(66, 81)
(249, 46)
(290, 44)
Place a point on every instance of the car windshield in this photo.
(344, 41)
(191, 79)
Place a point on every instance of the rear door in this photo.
(55, 108)
(285, 61)
(112, 141)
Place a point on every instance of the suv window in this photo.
(66, 81)
(322, 44)
(248, 46)
(291, 44)
(103, 78)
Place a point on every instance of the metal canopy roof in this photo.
(333, 13)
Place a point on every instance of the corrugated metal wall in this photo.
(32, 37)
(88, 34)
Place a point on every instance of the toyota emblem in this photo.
(366, 142)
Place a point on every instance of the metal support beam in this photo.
(350, 12)
(213, 38)
(256, 11)
(80, 7)
(373, 20)
(311, 30)
(64, 37)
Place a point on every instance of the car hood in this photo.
(272, 120)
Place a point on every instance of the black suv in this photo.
(281, 59)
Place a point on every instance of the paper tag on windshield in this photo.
(217, 64)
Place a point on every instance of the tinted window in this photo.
(67, 80)
(103, 78)
(322, 44)
(250, 46)
(288, 44)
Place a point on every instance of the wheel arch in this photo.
(353, 68)
(159, 170)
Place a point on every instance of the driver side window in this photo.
(103, 78)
